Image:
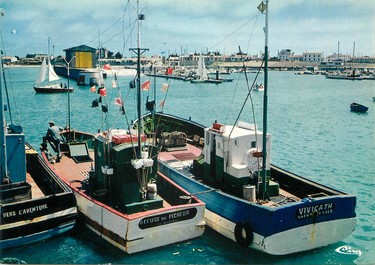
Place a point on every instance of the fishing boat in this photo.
(34, 203)
(48, 73)
(120, 195)
(356, 107)
(249, 200)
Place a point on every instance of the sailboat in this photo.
(47, 73)
(353, 75)
(120, 195)
(201, 74)
(249, 200)
(34, 203)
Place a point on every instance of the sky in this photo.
(187, 26)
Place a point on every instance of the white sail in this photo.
(52, 76)
(202, 70)
(42, 73)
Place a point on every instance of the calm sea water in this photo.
(313, 134)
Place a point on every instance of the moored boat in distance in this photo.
(359, 108)
(47, 72)
(249, 200)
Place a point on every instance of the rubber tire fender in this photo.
(242, 240)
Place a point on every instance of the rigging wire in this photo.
(244, 68)
(6, 85)
(234, 31)
(248, 95)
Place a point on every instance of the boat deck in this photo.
(36, 192)
(73, 172)
(182, 158)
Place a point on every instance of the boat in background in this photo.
(91, 77)
(120, 195)
(249, 200)
(356, 107)
(34, 203)
(52, 86)
(201, 75)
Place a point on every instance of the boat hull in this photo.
(139, 230)
(52, 89)
(302, 238)
(224, 212)
(131, 233)
(49, 211)
(355, 107)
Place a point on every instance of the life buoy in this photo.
(252, 162)
(243, 234)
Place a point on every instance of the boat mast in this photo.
(265, 101)
(139, 51)
(3, 150)
(353, 69)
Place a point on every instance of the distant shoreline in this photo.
(20, 66)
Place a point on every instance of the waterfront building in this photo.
(284, 55)
(312, 57)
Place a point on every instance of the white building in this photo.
(312, 56)
(284, 55)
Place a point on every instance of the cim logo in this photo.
(315, 210)
(346, 250)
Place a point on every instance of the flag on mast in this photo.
(146, 85)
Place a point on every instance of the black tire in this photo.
(244, 234)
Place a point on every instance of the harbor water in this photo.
(314, 134)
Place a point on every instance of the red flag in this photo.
(107, 66)
(103, 91)
(146, 85)
(93, 88)
(118, 101)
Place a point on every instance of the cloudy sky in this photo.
(182, 26)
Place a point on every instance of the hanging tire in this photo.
(244, 234)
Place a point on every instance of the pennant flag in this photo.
(104, 108)
(122, 110)
(118, 101)
(132, 84)
(162, 103)
(103, 91)
(95, 103)
(146, 85)
(164, 87)
(93, 88)
(107, 67)
(114, 83)
(150, 105)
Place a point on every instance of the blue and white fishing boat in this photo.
(34, 203)
(248, 199)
